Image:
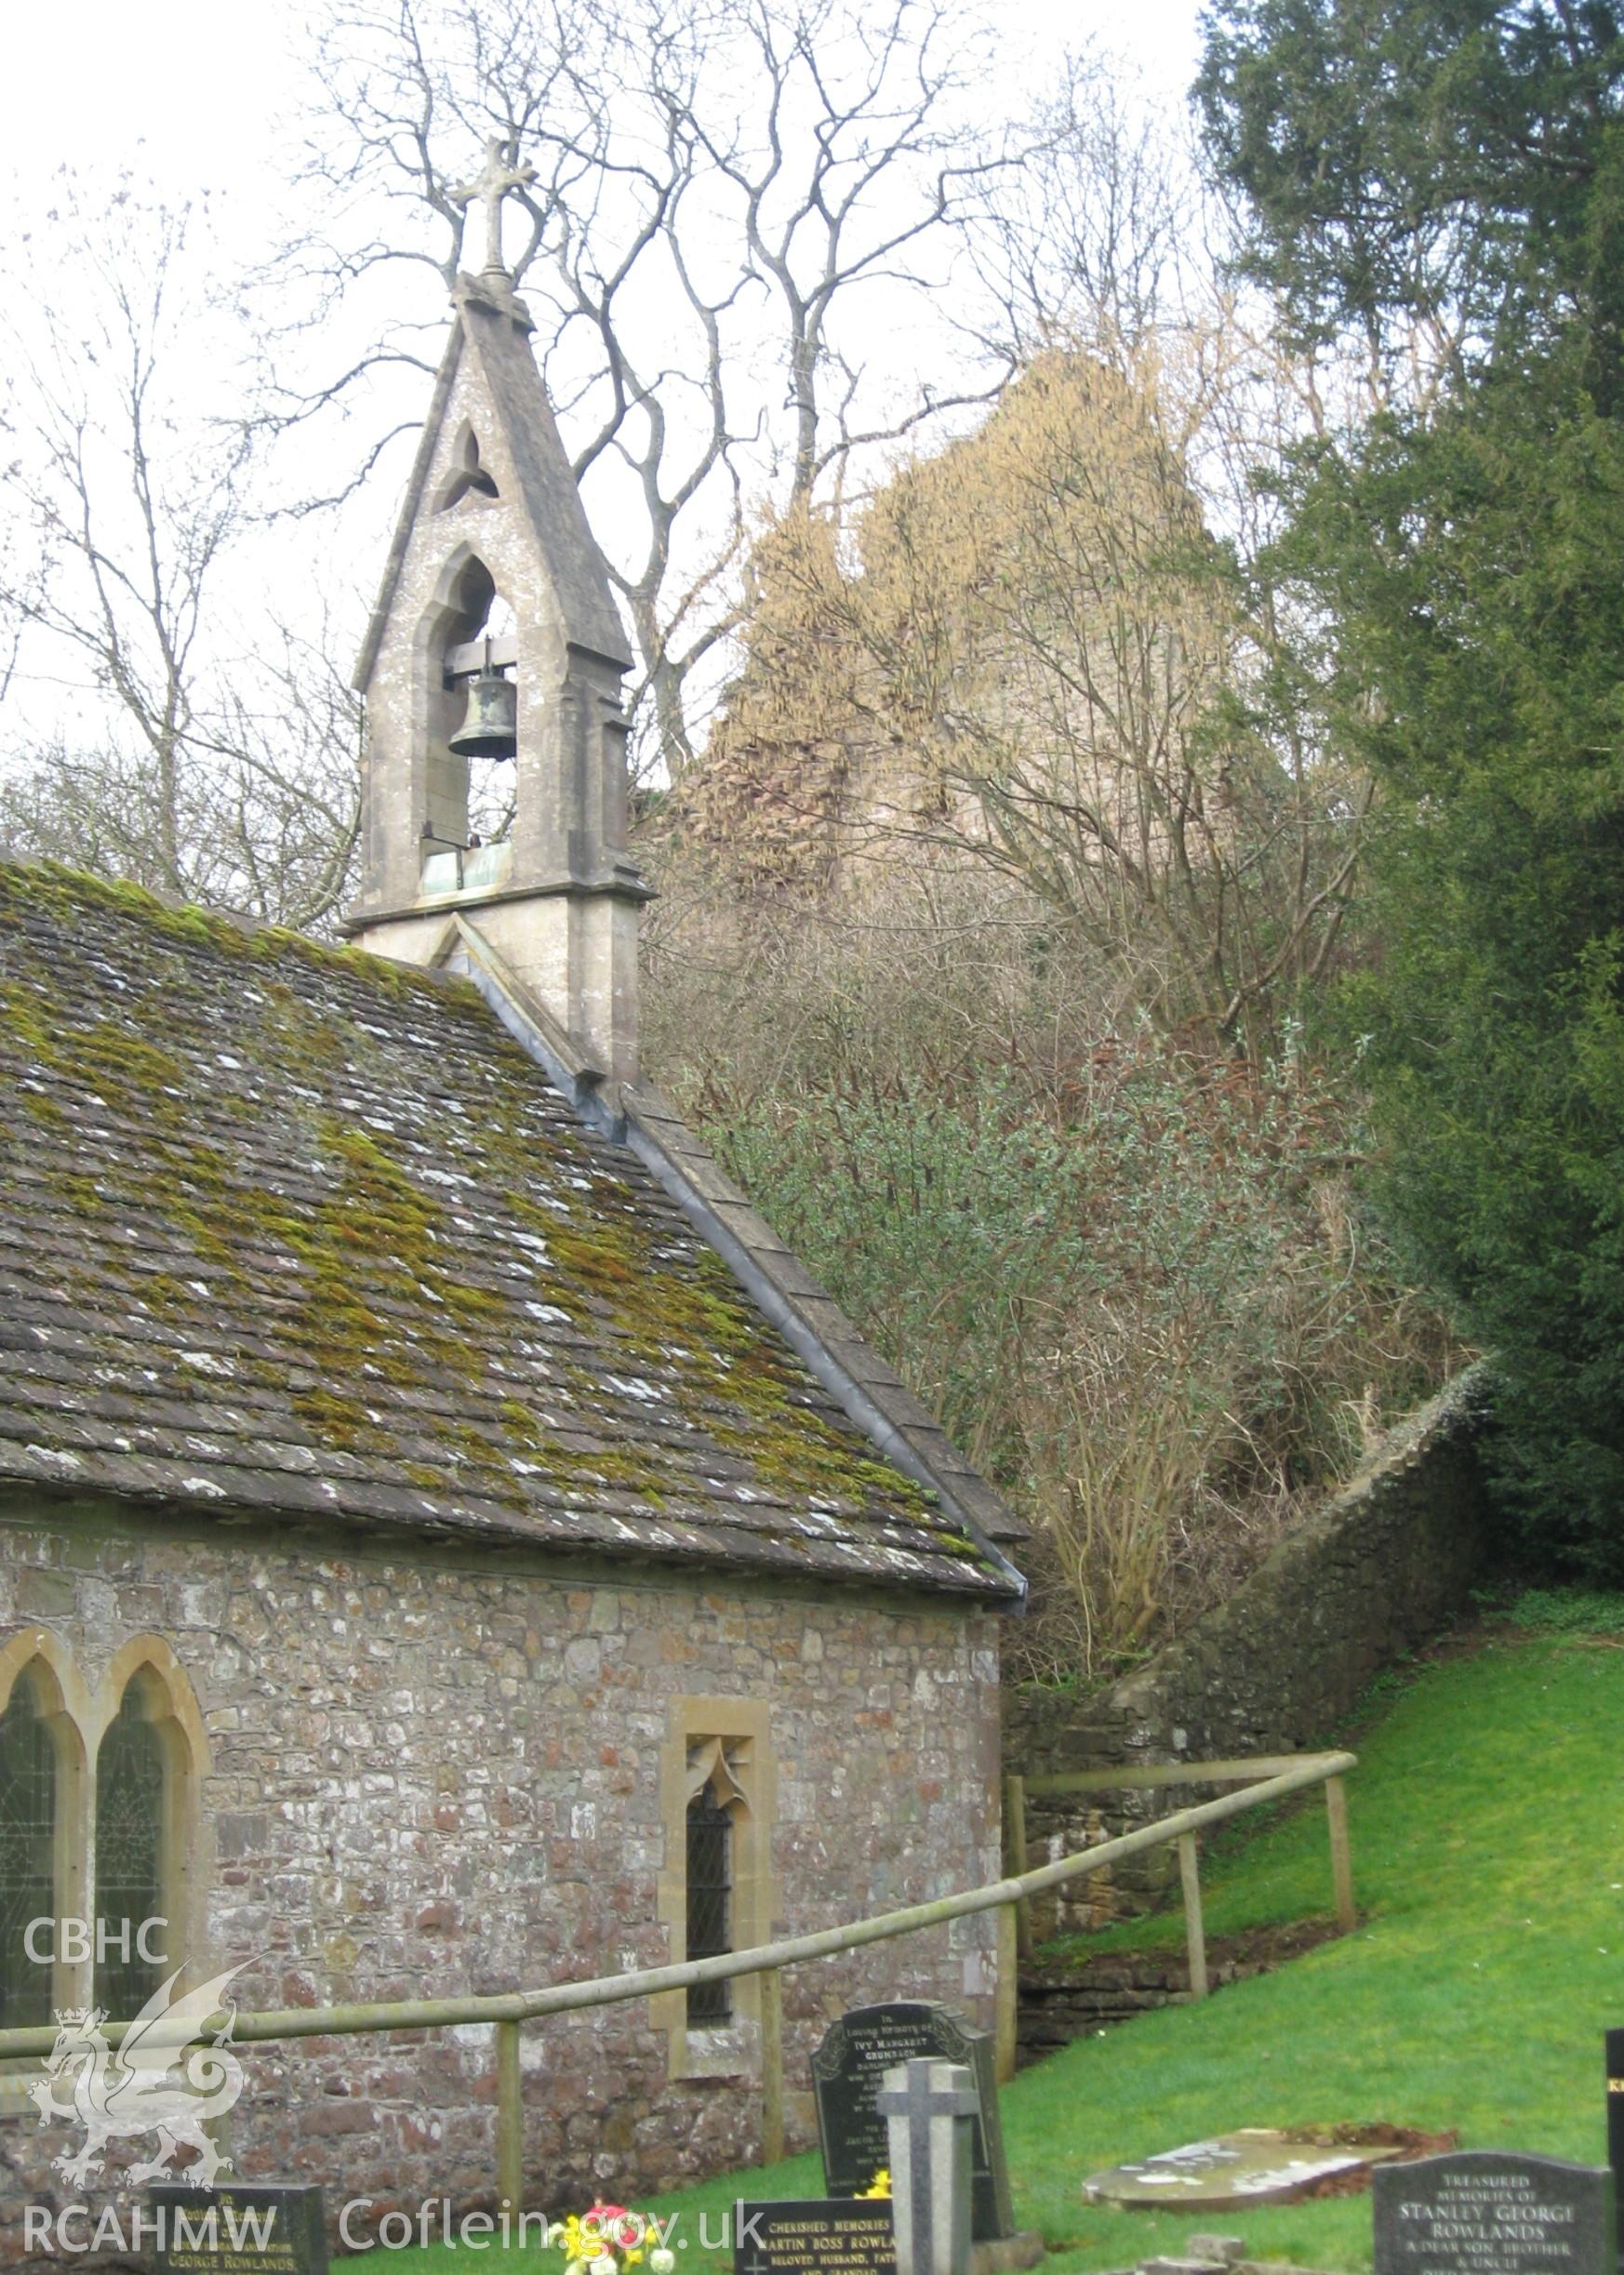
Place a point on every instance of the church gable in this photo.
(491, 439)
(490, 442)
(291, 1230)
(494, 644)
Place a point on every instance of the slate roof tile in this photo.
(288, 1230)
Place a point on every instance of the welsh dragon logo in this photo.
(163, 2079)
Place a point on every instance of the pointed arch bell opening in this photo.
(469, 637)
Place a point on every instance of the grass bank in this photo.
(1488, 1843)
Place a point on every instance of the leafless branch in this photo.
(205, 764)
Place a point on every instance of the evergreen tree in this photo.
(1463, 166)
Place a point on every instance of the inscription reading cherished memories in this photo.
(1483, 2213)
(819, 2236)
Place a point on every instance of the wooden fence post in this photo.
(1015, 1838)
(1195, 1932)
(772, 2066)
(514, 2008)
(510, 2120)
(1006, 2006)
(1342, 1854)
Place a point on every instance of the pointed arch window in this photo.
(30, 1796)
(710, 1900)
(134, 1808)
(714, 1796)
(716, 1890)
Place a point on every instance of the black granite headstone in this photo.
(1616, 2130)
(239, 2230)
(847, 2069)
(1493, 2212)
(824, 2235)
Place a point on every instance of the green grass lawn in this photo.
(1487, 1820)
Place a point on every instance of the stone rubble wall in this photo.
(1386, 1562)
(437, 1770)
(1058, 2005)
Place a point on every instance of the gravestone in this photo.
(1494, 2211)
(847, 2071)
(235, 2230)
(1616, 2130)
(1261, 2165)
(928, 2108)
(822, 2235)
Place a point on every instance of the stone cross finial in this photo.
(927, 2106)
(500, 175)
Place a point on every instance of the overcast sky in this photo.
(198, 92)
(204, 94)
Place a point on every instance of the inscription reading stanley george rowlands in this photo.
(1482, 2211)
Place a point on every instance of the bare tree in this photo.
(205, 761)
(718, 187)
(1100, 237)
(855, 159)
(1030, 654)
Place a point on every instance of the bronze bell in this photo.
(490, 728)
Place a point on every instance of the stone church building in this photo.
(447, 1543)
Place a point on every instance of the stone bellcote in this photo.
(493, 545)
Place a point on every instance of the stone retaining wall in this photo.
(1388, 1561)
(1063, 2004)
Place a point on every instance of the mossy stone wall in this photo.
(1385, 1564)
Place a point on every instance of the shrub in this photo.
(1125, 1276)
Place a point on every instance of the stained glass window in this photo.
(710, 1900)
(129, 1859)
(28, 1828)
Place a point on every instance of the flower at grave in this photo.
(661, 2262)
(609, 2239)
(880, 2185)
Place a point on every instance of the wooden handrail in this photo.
(508, 2009)
(1141, 1777)
(1264, 1776)
(683, 1974)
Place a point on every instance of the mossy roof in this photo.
(288, 1230)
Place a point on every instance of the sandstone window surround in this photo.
(140, 1718)
(715, 1800)
(718, 1751)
